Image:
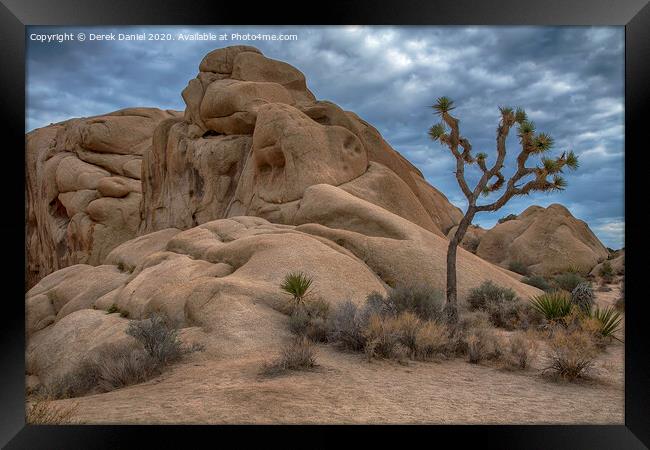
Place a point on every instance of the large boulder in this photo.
(546, 240)
(224, 275)
(83, 187)
(254, 138)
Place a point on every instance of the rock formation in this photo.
(83, 187)
(253, 138)
(255, 180)
(546, 240)
(616, 261)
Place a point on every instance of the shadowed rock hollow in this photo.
(201, 215)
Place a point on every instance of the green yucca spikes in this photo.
(436, 131)
(572, 161)
(559, 183)
(609, 319)
(552, 305)
(443, 105)
(297, 284)
(520, 116)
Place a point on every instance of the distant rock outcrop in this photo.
(545, 240)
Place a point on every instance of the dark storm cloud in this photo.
(570, 81)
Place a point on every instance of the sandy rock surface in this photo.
(546, 240)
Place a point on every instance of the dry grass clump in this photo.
(521, 350)
(571, 354)
(299, 354)
(46, 412)
(403, 324)
(483, 344)
(383, 338)
(155, 345)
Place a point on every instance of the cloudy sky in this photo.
(570, 80)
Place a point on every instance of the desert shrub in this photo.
(571, 354)
(158, 337)
(382, 337)
(298, 285)
(482, 344)
(299, 354)
(407, 326)
(112, 367)
(112, 309)
(488, 292)
(518, 267)
(553, 306)
(46, 412)
(311, 321)
(568, 281)
(82, 379)
(521, 350)
(501, 304)
(457, 337)
(606, 272)
(507, 218)
(421, 299)
(431, 339)
(346, 326)
(582, 296)
(124, 365)
(537, 281)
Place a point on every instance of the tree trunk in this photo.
(451, 306)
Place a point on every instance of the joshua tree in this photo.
(543, 177)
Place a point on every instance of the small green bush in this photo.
(112, 309)
(421, 299)
(518, 267)
(568, 281)
(507, 218)
(537, 281)
(553, 306)
(582, 296)
(487, 293)
(501, 304)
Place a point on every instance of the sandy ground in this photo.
(346, 388)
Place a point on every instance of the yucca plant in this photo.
(298, 285)
(552, 305)
(610, 321)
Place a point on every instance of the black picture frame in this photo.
(16, 14)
